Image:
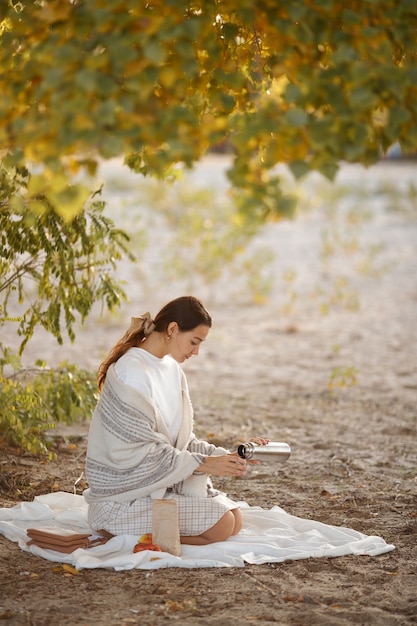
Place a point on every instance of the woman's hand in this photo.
(229, 464)
(224, 465)
(260, 441)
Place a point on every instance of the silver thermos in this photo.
(272, 451)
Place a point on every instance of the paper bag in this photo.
(165, 528)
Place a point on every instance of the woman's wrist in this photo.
(198, 471)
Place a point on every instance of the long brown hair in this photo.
(187, 311)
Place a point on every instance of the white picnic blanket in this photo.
(269, 536)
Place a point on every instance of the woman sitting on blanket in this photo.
(141, 444)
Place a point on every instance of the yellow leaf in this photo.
(57, 11)
(38, 207)
(69, 202)
(168, 76)
(37, 184)
(220, 123)
(174, 606)
(68, 569)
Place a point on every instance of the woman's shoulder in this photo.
(139, 358)
(132, 369)
(134, 354)
(134, 358)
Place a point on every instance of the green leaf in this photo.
(111, 146)
(296, 117)
(292, 93)
(345, 54)
(398, 117)
(299, 168)
(155, 51)
(329, 170)
(363, 98)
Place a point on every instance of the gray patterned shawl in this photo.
(129, 453)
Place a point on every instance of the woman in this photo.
(141, 443)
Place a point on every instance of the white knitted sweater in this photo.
(129, 453)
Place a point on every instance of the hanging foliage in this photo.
(51, 271)
(303, 83)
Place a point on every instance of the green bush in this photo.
(35, 400)
(52, 273)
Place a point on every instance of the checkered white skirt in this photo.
(195, 514)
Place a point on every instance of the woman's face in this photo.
(185, 344)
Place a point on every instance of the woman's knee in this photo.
(222, 530)
(228, 525)
(237, 513)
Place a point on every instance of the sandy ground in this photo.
(328, 363)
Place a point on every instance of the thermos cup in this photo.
(272, 451)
